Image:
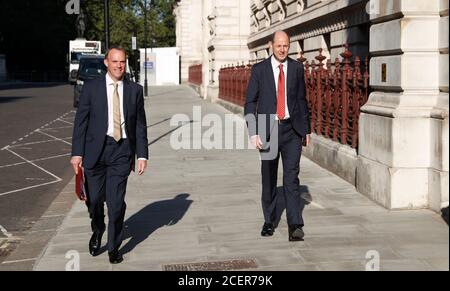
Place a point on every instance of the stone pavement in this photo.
(203, 206)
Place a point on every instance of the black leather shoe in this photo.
(296, 233)
(267, 229)
(95, 243)
(115, 257)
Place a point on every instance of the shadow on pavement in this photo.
(159, 122)
(152, 217)
(11, 86)
(281, 203)
(445, 214)
(168, 133)
(12, 99)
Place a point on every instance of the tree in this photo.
(127, 20)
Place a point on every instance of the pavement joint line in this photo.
(52, 216)
(42, 230)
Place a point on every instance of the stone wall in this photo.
(214, 33)
(403, 152)
(312, 25)
(188, 15)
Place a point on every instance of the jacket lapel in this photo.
(104, 102)
(270, 77)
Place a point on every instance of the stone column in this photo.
(403, 150)
(189, 34)
(228, 44)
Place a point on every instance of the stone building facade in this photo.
(212, 33)
(402, 157)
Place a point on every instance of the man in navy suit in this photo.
(110, 130)
(278, 117)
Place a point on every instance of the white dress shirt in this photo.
(110, 92)
(276, 74)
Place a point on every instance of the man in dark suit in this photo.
(277, 115)
(110, 130)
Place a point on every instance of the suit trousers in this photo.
(290, 149)
(107, 181)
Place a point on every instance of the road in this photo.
(35, 143)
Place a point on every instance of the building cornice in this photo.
(314, 21)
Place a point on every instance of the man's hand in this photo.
(77, 162)
(142, 166)
(307, 141)
(256, 142)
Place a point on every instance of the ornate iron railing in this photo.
(335, 93)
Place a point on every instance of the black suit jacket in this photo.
(262, 98)
(91, 121)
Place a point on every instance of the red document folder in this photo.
(80, 189)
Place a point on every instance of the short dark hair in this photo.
(275, 33)
(116, 47)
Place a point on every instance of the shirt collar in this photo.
(110, 81)
(276, 63)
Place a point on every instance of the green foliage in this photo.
(127, 20)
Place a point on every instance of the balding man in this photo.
(278, 116)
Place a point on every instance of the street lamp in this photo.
(106, 4)
(145, 49)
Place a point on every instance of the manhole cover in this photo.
(213, 266)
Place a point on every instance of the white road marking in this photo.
(55, 128)
(58, 179)
(62, 120)
(36, 160)
(30, 162)
(26, 161)
(59, 118)
(19, 261)
(5, 232)
(49, 135)
(33, 143)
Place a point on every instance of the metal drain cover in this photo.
(213, 266)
